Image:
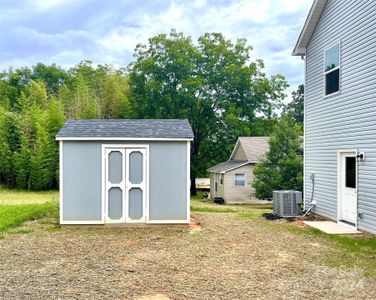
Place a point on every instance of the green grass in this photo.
(16, 197)
(12, 216)
(209, 209)
(253, 213)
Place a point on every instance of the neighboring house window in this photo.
(331, 71)
(221, 179)
(239, 179)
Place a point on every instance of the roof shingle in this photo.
(126, 128)
(227, 165)
(255, 147)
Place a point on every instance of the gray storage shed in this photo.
(125, 171)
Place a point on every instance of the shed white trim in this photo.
(188, 181)
(122, 139)
(89, 222)
(61, 180)
(167, 222)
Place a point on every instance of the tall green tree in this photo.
(212, 83)
(282, 168)
(10, 144)
(296, 106)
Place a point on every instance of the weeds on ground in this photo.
(351, 251)
(23, 231)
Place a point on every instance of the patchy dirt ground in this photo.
(227, 258)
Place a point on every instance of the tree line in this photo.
(213, 82)
(34, 104)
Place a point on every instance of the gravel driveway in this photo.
(229, 258)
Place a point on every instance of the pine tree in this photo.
(39, 165)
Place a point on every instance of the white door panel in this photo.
(135, 191)
(348, 188)
(114, 185)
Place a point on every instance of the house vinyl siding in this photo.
(240, 154)
(347, 120)
(216, 177)
(237, 194)
(211, 185)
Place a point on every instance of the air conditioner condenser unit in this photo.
(285, 203)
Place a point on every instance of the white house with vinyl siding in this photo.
(232, 179)
(338, 44)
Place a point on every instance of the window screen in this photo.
(350, 172)
(331, 71)
(239, 180)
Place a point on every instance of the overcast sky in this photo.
(106, 31)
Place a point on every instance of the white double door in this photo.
(125, 182)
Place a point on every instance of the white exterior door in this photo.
(135, 193)
(348, 188)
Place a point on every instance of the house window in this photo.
(331, 71)
(221, 179)
(239, 179)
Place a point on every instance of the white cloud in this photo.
(49, 4)
(111, 32)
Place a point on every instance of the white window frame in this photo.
(221, 178)
(332, 70)
(245, 180)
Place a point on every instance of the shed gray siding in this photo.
(347, 120)
(82, 180)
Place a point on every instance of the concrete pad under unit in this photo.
(331, 227)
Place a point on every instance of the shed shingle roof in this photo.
(126, 128)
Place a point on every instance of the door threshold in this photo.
(347, 223)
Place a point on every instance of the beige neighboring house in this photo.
(232, 179)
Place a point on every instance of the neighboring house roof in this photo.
(254, 147)
(309, 27)
(126, 128)
(228, 166)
